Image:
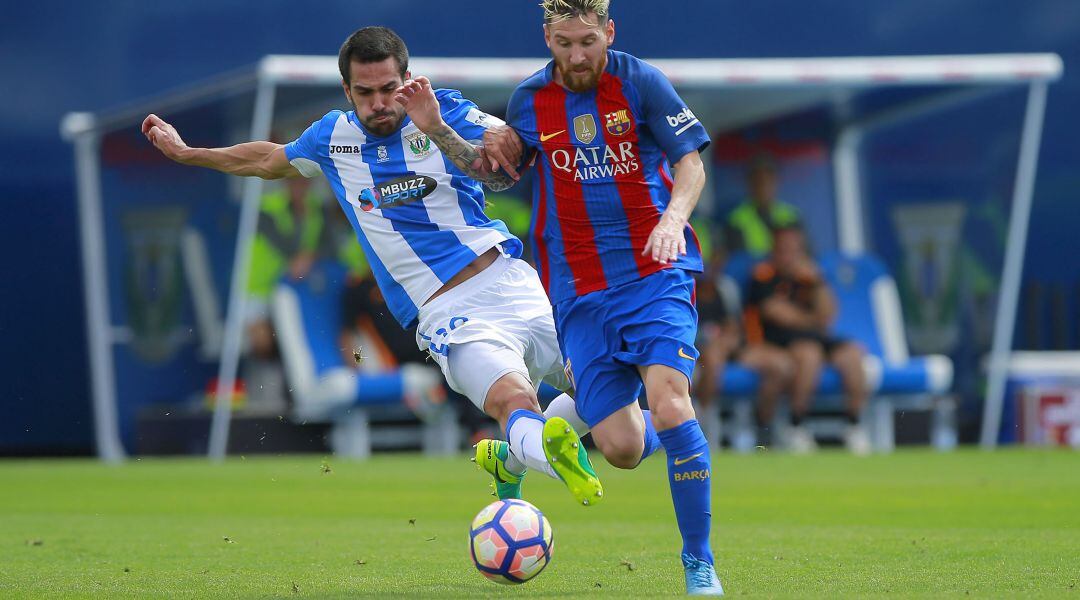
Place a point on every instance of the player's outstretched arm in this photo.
(667, 240)
(419, 100)
(258, 159)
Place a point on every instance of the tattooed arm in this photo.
(469, 158)
(419, 100)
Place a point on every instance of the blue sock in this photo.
(689, 475)
(652, 441)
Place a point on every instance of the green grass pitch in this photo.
(911, 524)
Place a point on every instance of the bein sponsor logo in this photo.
(683, 120)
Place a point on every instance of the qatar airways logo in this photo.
(596, 162)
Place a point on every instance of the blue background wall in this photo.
(97, 55)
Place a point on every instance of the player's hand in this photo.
(667, 240)
(164, 137)
(420, 103)
(503, 148)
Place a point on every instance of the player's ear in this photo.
(345, 88)
(547, 35)
(610, 31)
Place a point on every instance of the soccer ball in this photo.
(510, 541)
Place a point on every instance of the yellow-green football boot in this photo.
(491, 456)
(571, 462)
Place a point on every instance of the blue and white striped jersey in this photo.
(419, 219)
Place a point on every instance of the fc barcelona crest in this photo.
(617, 123)
(585, 128)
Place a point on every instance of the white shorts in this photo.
(496, 322)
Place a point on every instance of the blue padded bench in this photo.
(307, 321)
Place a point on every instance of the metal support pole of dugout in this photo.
(261, 121)
(1015, 245)
(849, 216)
(79, 127)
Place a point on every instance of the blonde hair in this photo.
(556, 11)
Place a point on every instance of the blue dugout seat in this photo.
(869, 312)
(307, 321)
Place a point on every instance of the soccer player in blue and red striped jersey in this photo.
(613, 248)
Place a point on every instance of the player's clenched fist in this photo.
(164, 137)
(503, 148)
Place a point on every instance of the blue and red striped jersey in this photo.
(602, 172)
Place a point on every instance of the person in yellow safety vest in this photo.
(750, 226)
(291, 236)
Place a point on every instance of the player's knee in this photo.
(511, 392)
(671, 412)
(622, 452)
(669, 401)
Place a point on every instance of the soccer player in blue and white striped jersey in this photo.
(413, 197)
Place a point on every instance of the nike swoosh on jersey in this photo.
(683, 354)
(681, 461)
(547, 136)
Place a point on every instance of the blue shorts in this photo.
(605, 335)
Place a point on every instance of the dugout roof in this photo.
(753, 89)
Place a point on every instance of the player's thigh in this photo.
(602, 385)
(658, 325)
(473, 369)
(543, 353)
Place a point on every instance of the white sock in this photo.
(564, 406)
(512, 463)
(525, 434)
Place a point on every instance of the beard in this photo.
(580, 81)
(382, 127)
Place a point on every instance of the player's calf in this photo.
(622, 443)
(511, 400)
(624, 453)
(626, 437)
(510, 393)
(689, 467)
